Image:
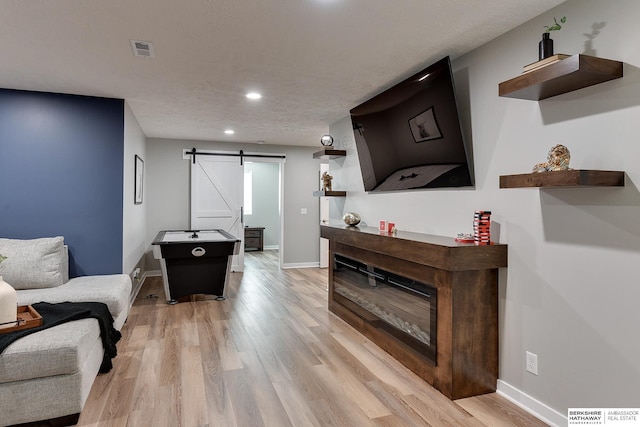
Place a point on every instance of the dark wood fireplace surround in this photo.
(466, 279)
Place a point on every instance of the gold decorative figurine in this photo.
(326, 181)
(557, 160)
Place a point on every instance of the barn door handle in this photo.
(241, 214)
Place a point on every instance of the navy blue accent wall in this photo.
(61, 174)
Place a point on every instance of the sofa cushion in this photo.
(59, 350)
(112, 289)
(45, 398)
(33, 264)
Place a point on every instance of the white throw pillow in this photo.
(33, 264)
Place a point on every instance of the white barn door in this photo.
(217, 187)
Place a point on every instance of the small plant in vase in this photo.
(556, 26)
(545, 47)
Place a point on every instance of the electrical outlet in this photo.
(532, 363)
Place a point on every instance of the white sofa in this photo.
(49, 374)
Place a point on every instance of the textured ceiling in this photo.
(313, 60)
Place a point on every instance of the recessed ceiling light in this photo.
(253, 95)
(229, 131)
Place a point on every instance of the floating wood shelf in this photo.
(573, 73)
(329, 154)
(559, 179)
(330, 193)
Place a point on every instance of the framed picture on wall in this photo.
(424, 126)
(139, 175)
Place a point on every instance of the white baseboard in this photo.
(531, 405)
(138, 284)
(301, 265)
(271, 247)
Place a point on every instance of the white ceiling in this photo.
(313, 60)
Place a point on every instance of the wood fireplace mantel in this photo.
(466, 279)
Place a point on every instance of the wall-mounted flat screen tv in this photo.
(410, 137)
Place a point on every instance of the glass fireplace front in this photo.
(401, 307)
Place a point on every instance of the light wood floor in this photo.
(271, 354)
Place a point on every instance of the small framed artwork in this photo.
(139, 176)
(424, 126)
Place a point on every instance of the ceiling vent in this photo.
(142, 48)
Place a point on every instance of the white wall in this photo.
(571, 291)
(167, 193)
(133, 216)
(266, 208)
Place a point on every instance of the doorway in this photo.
(262, 201)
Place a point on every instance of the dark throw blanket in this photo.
(56, 314)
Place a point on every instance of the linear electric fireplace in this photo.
(400, 307)
(428, 301)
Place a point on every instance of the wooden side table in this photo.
(254, 238)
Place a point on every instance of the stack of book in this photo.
(482, 228)
(544, 62)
